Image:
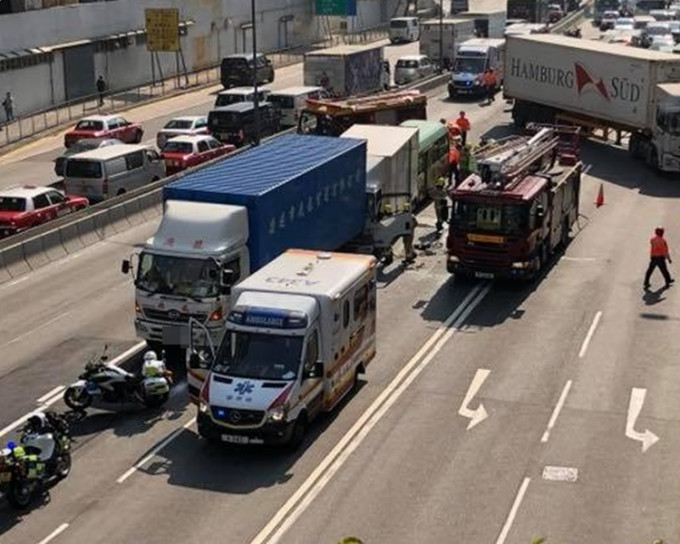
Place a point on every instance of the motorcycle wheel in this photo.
(156, 401)
(19, 494)
(76, 401)
(63, 465)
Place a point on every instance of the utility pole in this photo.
(441, 36)
(256, 102)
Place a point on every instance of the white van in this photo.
(291, 101)
(404, 29)
(112, 171)
(239, 94)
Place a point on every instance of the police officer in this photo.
(658, 256)
(441, 207)
(409, 251)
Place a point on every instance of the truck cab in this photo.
(300, 332)
(473, 57)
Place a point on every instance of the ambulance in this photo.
(300, 332)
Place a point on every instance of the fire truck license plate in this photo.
(484, 275)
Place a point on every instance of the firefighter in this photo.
(463, 124)
(489, 81)
(658, 256)
(441, 207)
(454, 161)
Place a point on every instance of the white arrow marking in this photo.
(648, 438)
(478, 415)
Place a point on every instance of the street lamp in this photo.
(256, 102)
(441, 36)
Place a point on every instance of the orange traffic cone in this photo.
(599, 200)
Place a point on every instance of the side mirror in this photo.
(125, 266)
(194, 360)
(540, 215)
(228, 277)
(316, 371)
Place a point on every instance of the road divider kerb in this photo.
(87, 230)
(34, 253)
(322, 475)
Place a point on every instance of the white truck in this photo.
(301, 331)
(472, 58)
(347, 70)
(599, 86)
(453, 33)
(489, 23)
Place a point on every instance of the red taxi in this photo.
(105, 126)
(28, 206)
(183, 152)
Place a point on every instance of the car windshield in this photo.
(88, 124)
(282, 101)
(229, 99)
(261, 356)
(165, 275)
(226, 119)
(658, 30)
(502, 219)
(179, 124)
(469, 66)
(625, 22)
(83, 168)
(398, 24)
(12, 204)
(404, 63)
(178, 147)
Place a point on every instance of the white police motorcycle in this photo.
(110, 387)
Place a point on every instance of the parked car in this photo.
(675, 30)
(237, 69)
(555, 13)
(624, 24)
(27, 206)
(239, 94)
(664, 43)
(182, 126)
(235, 124)
(609, 18)
(183, 152)
(105, 126)
(85, 144)
(411, 68)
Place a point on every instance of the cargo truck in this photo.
(347, 70)
(454, 32)
(489, 23)
(301, 331)
(517, 209)
(473, 57)
(227, 220)
(599, 86)
(534, 11)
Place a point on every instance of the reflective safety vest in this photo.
(659, 247)
(463, 124)
(454, 155)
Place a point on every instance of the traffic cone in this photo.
(599, 200)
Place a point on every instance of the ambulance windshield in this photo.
(261, 356)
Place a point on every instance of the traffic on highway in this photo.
(395, 292)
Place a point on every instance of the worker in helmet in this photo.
(659, 254)
(454, 161)
(441, 207)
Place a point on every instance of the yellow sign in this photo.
(485, 238)
(162, 29)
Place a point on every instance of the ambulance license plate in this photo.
(484, 275)
(234, 439)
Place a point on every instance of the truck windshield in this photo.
(261, 356)
(464, 65)
(503, 219)
(181, 276)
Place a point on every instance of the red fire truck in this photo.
(518, 207)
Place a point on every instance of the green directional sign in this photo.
(336, 7)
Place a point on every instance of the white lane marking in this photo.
(513, 511)
(174, 434)
(118, 360)
(589, 336)
(54, 534)
(578, 259)
(560, 474)
(556, 411)
(51, 393)
(648, 438)
(479, 414)
(324, 472)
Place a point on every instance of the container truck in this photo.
(226, 220)
(347, 70)
(489, 23)
(472, 58)
(453, 33)
(301, 331)
(599, 86)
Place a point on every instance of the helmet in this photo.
(37, 421)
(462, 114)
(440, 181)
(659, 231)
(150, 356)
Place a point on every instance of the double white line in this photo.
(314, 484)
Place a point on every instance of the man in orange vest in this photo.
(658, 256)
(454, 161)
(463, 124)
(489, 82)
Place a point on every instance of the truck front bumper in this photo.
(468, 90)
(269, 433)
(518, 271)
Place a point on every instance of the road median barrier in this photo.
(133, 212)
(53, 246)
(14, 261)
(4, 273)
(34, 252)
(87, 230)
(70, 238)
(118, 219)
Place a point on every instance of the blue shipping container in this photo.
(306, 192)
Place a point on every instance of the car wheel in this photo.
(138, 136)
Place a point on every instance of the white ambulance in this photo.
(299, 333)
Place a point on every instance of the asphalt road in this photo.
(577, 374)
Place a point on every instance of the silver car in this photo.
(411, 68)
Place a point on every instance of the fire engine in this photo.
(518, 207)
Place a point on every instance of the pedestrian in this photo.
(441, 208)
(490, 83)
(101, 89)
(8, 104)
(409, 251)
(454, 160)
(658, 256)
(463, 124)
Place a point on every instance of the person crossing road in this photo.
(659, 254)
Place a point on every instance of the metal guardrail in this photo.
(23, 127)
